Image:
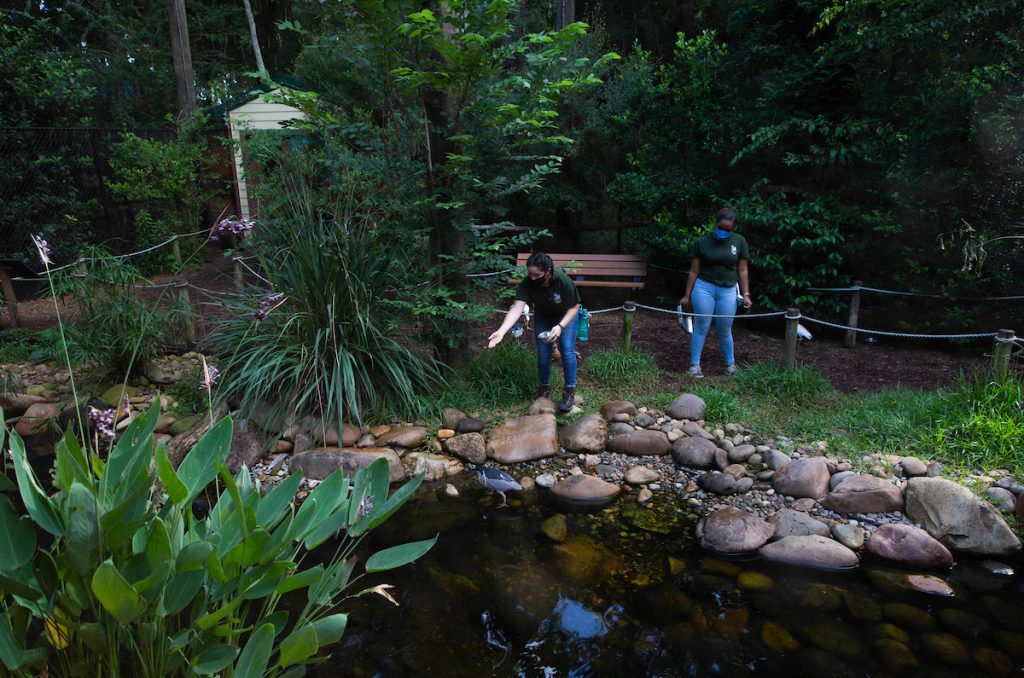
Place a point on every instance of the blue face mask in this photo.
(720, 234)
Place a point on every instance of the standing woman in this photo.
(718, 262)
(556, 302)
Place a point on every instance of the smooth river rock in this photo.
(319, 463)
(640, 443)
(587, 434)
(806, 477)
(694, 452)
(733, 530)
(584, 488)
(614, 407)
(910, 546)
(863, 493)
(960, 520)
(468, 446)
(686, 406)
(810, 551)
(403, 436)
(641, 475)
(524, 439)
(790, 523)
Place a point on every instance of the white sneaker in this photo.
(730, 370)
(696, 372)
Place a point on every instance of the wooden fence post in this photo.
(628, 314)
(10, 299)
(190, 325)
(1002, 352)
(792, 320)
(851, 335)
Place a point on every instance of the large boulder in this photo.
(733, 530)
(790, 523)
(613, 407)
(585, 489)
(910, 546)
(694, 452)
(468, 446)
(247, 445)
(587, 435)
(433, 466)
(640, 443)
(38, 418)
(807, 477)
(15, 404)
(524, 439)
(956, 517)
(403, 436)
(810, 551)
(322, 462)
(686, 406)
(863, 493)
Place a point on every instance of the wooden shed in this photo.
(258, 113)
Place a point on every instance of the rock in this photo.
(469, 425)
(527, 483)
(320, 463)
(433, 466)
(555, 528)
(686, 406)
(542, 406)
(790, 523)
(586, 434)
(247, 445)
(165, 422)
(964, 622)
(895, 656)
(160, 371)
(15, 404)
(744, 485)
(850, 536)
(861, 493)
(644, 496)
(839, 477)
(910, 546)
(367, 440)
(804, 504)
(957, 518)
(776, 460)
(731, 622)
(741, 453)
(640, 443)
(947, 648)
(749, 580)
(524, 439)
(468, 446)
(378, 431)
(585, 489)
(993, 661)
(617, 428)
(692, 428)
(719, 483)
(115, 394)
(37, 419)
(908, 616)
(585, 560)
(614, 407)
(644, 420)
(912, 467)
(862, 608)
(1002, 498)
(545, 480)
(694, 452)
(732, 530)
(451, 490)
(350, 434)
(887, 630)
(621, 418)
(807, 477)
(403, 436)
(641, 475)
(778, 638)
(451, 417)
(894, 583)
(1018, 509)
(445, 433)
(810, 551)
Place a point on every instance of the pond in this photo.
(630, 592)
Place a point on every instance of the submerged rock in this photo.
(895, 656)
(909, 616)
(778, 638)
(947, 648)
(898, 582)
(555, 528)
(910, 546)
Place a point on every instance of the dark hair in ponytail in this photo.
(541, 261)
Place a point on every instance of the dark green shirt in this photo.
(552, 302)
(719, 258)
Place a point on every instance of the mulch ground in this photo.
(874, 366)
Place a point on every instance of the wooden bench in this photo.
(598, 270)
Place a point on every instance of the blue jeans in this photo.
(712, 299)
(566, 344)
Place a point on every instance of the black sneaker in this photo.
(543, 392)
(568, 400)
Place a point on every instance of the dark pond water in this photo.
(630, 593)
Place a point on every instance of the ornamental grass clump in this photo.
(329, 332)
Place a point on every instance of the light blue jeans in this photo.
(566, 344)
(712, 299)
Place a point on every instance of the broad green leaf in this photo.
(210, 620)
(256, 654)
(94, 635)
(326, 529)
(17, 537)
(131, 455)
(84, 541)
(20, 583)
(158, 547)
(279, 620)
(180, 591)
(214, 659)
(6, 485)
(10, 651)
(298, 646)
(301, 580)
(193, 556)
(248, 553)
(396, 500)
(176, 490)
(39, 506)
(120, 523)
(329, 630)
(115, 594)
(70, 463)
(375, 491)
(264, 580)
(199, 466)
(274, 503)
(396, 556)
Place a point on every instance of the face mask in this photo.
(720, 234)
(539, 282)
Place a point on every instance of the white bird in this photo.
(802, 333)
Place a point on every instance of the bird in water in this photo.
(497, 481)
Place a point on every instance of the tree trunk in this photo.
(565, 13)
(255, 41)
(181, 53)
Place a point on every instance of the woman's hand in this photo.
(747, 301)
(554, 333)
(684, 300)
(495, 339)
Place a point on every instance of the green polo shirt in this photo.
(551, 302)
(719, 258)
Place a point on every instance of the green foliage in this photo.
(773, 381)
(117, 330)
(338, 338)
(618, 368)
(132, 583)
(499, 378)
(19, 345)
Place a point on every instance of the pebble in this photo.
(451, 490)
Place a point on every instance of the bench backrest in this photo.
(598, 270)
